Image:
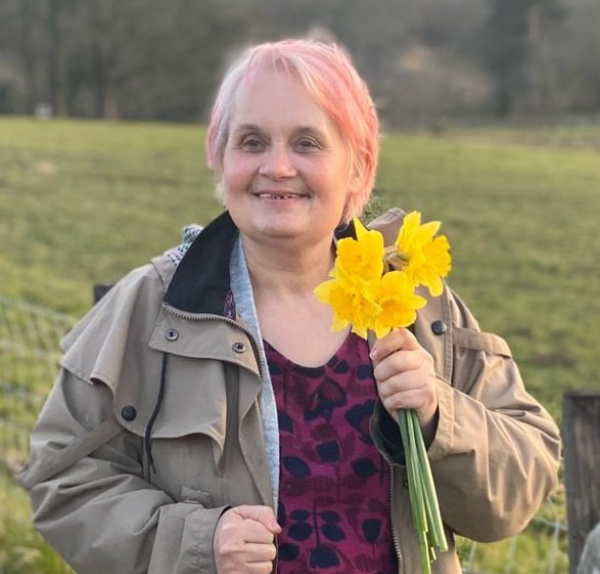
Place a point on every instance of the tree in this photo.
(512, 32)
(18, 54)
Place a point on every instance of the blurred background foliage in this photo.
(428, 62)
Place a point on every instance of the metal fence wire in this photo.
(29, 355)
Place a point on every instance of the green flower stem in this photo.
(414, 488)
(421, 489)
(434, 514)
(416, 472)
(417, 483)
(415, 493)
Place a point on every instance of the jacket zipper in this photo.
(276, 561)
(394, 533)
(203, 316)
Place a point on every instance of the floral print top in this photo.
(335, 486)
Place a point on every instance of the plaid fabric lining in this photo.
(190, 232)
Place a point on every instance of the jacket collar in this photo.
(201, 281)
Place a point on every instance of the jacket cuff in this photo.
(385, 433)
(194, 551)
(444, 435)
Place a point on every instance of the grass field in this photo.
(83, 202)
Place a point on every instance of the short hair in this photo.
(327, 73)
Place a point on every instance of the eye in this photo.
(306, 144)
(252, 143)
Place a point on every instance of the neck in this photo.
(280, 271)
(287, 308)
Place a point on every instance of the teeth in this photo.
(279, 195)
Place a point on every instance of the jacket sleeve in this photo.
(496, 450)
(100, 514)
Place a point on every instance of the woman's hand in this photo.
(405, 376)
(245, 540)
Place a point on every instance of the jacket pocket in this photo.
(476, 356)
(475, 340)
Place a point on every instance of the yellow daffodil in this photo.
(399, 304)
(362, 257)
(351, 301)
(364, 296)
(426, 259)
(358, 267)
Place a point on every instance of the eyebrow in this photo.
(310, 130)
(247, 128)
(300, 130)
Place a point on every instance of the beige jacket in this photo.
(180, 386)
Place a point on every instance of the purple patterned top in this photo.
(335, 486)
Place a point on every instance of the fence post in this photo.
(581, 438)
(100, 289)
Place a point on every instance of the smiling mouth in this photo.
(281, 195)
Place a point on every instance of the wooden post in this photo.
(581, 439)
(100, 289)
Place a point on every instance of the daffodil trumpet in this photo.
(372, 288)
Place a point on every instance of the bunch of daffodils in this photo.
(372, 288)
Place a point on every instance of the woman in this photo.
(207, 418)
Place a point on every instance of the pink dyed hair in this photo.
(329, 77)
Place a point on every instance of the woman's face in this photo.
(286, 171)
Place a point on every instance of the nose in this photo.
(278, 163)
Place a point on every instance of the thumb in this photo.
(262, 514)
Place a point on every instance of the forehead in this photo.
(275, 98)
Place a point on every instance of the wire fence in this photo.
(29, 355)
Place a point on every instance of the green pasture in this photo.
(82, 202)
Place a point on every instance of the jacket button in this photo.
(128, 413)
(171, 334)
(438, 327)
(239, 347)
